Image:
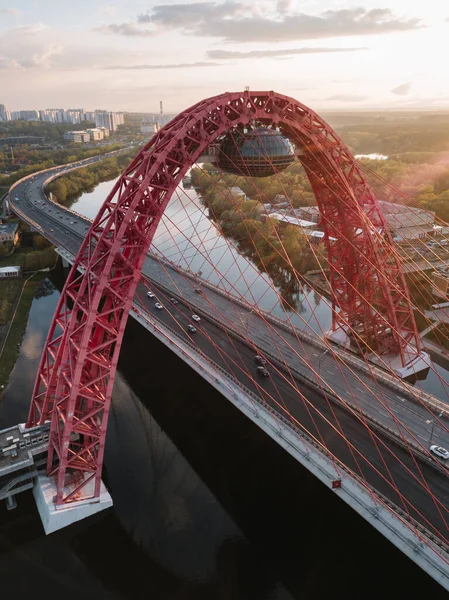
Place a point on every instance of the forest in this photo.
(418, 156)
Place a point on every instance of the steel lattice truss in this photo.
(76, 374)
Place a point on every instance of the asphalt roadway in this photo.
(381, 462)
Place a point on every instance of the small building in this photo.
(238, 193)
(149, 126)
(95, 134)
(9, 272)
(77, 137)
(317, 237)
(440, 230)
(9, 232)
(288, 220)
(308, 213)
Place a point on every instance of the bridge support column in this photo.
(54, 517)
(415, 362)
(11, 503)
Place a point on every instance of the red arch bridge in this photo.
(308, 327)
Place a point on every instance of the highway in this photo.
(220, 336)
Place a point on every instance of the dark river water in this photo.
(206, 506)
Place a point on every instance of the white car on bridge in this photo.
(439, 451)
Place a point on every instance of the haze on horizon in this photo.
(328, 54)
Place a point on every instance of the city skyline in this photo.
(101, 118)
(327, 54)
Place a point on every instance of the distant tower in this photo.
(246, 88)
(161, 109)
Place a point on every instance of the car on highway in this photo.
(150, 294)
(67, 232)
(196, 318)
(262, 371)
(260, 360)
(51, 229)
(173, 301)
(439, 451)
(158, 305)
(191, 328)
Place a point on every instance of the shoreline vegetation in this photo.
(281, 251)
(11, 348)
(33, 253)
(67, 189)
(38, 160)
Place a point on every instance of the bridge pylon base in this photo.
(415, 362)
(53, 517)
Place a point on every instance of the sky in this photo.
(129, 55)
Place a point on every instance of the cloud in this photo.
(42, 57)
(235, 21)
(169, 66)
(27, 47)
(9, 11)
(231, 54)
(126, 29)
(346, 98)
(29, 29)
(108, 9)
(403, 89)
(284, 6)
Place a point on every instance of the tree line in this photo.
(36, 160)
(68, 188)
(50, 132)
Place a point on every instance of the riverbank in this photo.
(10, 346)
(67, 189)
(35, 257)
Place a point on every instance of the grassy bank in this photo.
(12, 346)
(8, 293)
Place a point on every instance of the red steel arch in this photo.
(74, 383)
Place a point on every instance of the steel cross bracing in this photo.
(74, 383)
